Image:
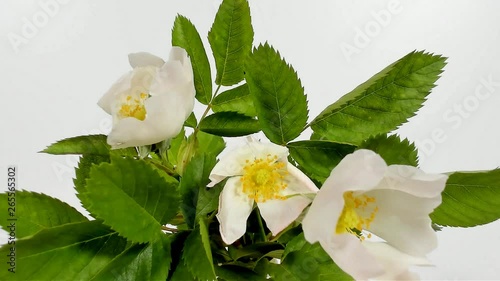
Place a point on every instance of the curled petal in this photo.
(395, 262)
(234, 209)
(350, 255)
(175, 77)
(179, 54)
(144, 59)
(119, 88)
(403, 220)
(413, 181)
(131, 132)
(142, 79)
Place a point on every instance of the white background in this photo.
(53, 74)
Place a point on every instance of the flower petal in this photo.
(413, 181)
(166, 118)
(395, 263)
(142, 79)
(234, 209)
(144, 59)
(351, 256)
(298, 182)
(120, 87)
(175, 77)
(279, 214)
(361, 170)
(406, 276)
(329, 201)
(179, 54)
(403, 221)
(130, 132)
(263, 150)
(230, 164)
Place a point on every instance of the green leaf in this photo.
(197, 254)
(210, 144)
(191, 121)
(91, 144)
(231, 38)
(278, 95)
(383, 102)
(182, 273)
(392, 149)
(186, 151)
(35, 211)
(318, 158)
(229, 124)
(237, 99)
(208, 199)
(185, 35)
(197, 199)
(175, 146)
(469, 199)
(296, 244)
(231, 273)
(178, 270)
(132, 198)
(148, 262)
(305, 262)
(255, 251)
(75, 251)
(82, 173)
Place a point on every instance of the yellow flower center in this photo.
(133, 107)
(263, 178)
(352, 220)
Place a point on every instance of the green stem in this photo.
(261, 226)
(212, 216)
(209, 106)
(168, 170)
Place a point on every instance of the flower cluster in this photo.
(372, 219)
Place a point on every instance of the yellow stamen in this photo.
(263, 179)
(350, 221)
(133, 107)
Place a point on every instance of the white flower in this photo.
(150, 103)
(364, 197)
(259, 173)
